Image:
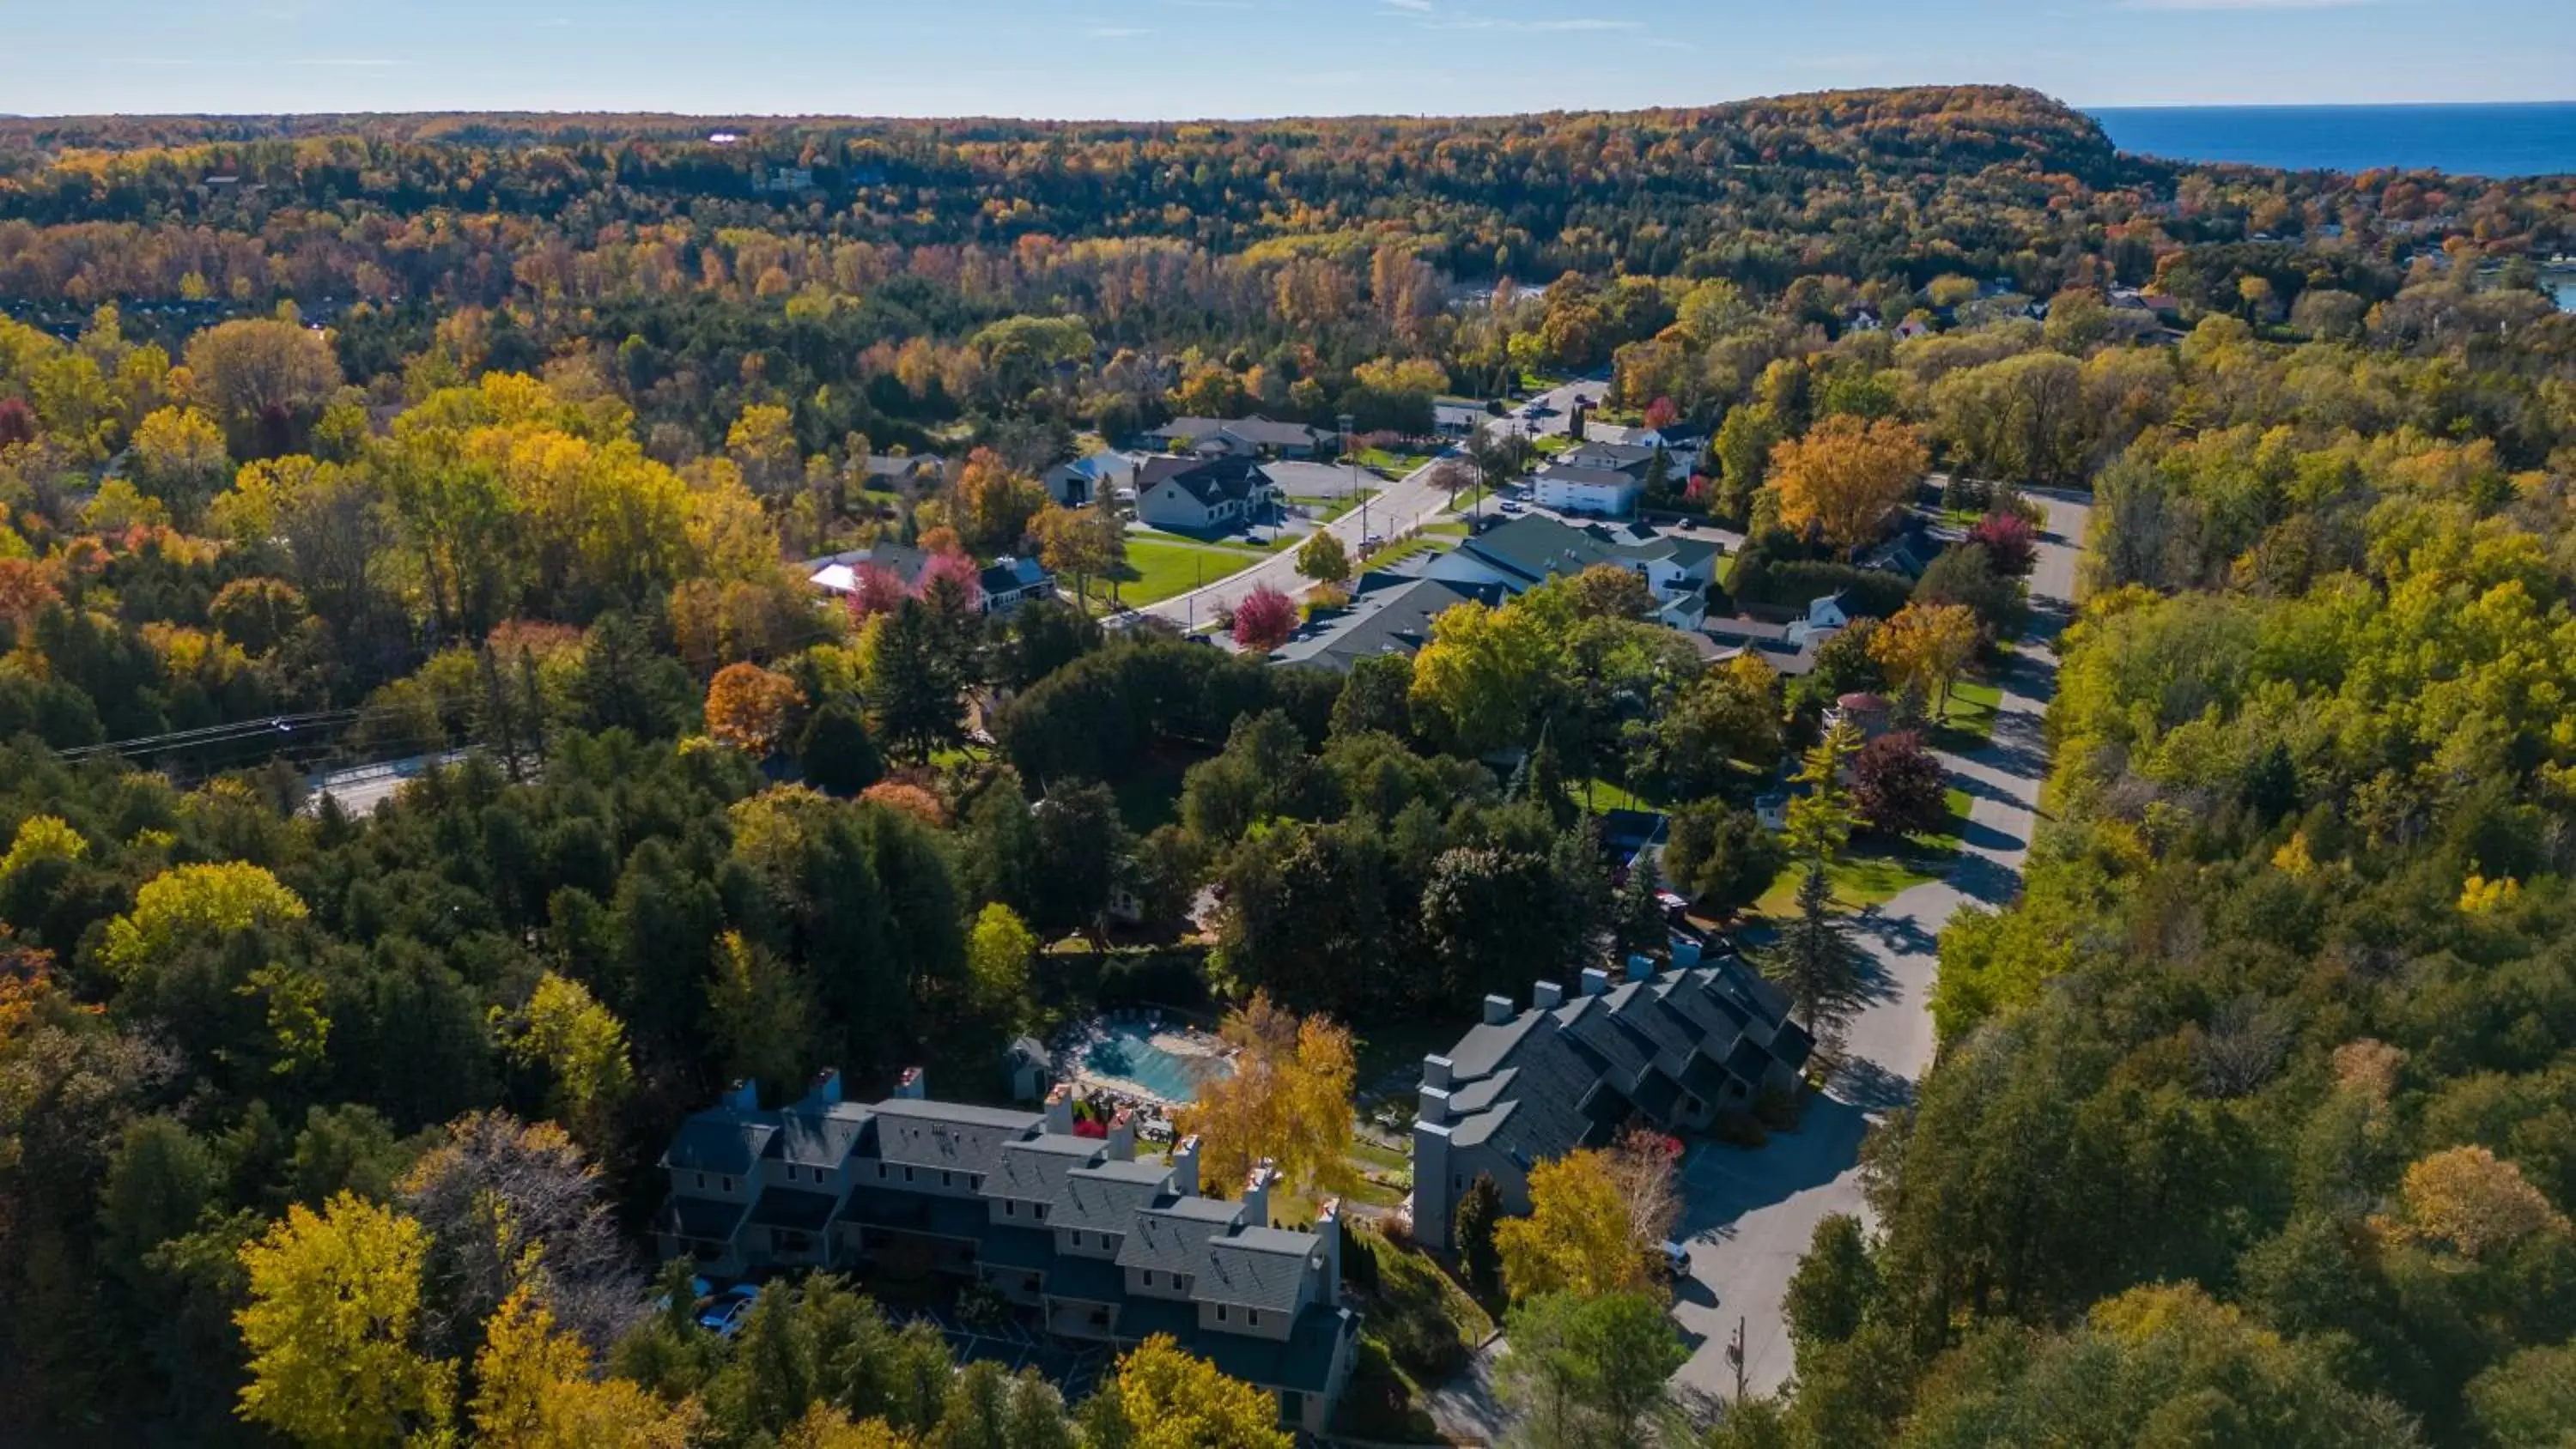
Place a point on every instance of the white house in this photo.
(1598, 492)
(1252, 437)
(1202, 495)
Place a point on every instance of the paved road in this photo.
(1752, 1214)
(362, 789)
(1409, 502)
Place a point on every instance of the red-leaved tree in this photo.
(1899, 787)
(1264, 620)
(2011, 544)
(875, 589)
(957, 568)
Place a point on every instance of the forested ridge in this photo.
(2255, 1116)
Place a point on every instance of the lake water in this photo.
(2537, 139)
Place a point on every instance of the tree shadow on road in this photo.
(1870, 1087)
(1987, 882)
(1724, 1183)
(1888, 935)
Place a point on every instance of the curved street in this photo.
(1752, 1213)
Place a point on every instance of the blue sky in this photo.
(1154, 59)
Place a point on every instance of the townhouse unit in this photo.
(1096, 1243)
(1671, 1049)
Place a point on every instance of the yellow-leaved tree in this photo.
(1927, 646)
(581, 1045)
(1576, 1238)
(331, 1327)
(534, 1390)
(1289, 1100)
(1163, 1398)
(2475, 1201)
(1847, 475)
(192, 903)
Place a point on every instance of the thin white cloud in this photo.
(1578, 26)
(2242, 4)
(1417, 7)
(1118, 32)
(345, 62)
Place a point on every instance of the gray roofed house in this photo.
(1001, 585)
(1529, 550)
(1254, 436)
(1673, 1049)
(1202, 494)
(1096, 1244)
(1389, 615)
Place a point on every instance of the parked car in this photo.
(1373, 543)
(1676, 1260)
(1508, 506)
(725, 1314)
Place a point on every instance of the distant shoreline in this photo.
(2490, 139)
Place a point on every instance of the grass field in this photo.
(1396, 552)
(1157, 570)
(1393, 465)
(1971, 717)
(1876, 869)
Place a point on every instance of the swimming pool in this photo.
(1119, 1051)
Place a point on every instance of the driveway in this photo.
(1751, 1214)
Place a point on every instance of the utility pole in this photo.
(1735, 1357)
(1351, 456)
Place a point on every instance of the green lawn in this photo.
(1552, 444)
(1393, 465)
(1417, 1329)
(1874, 869)
(1157, 570)
(1726, 569)
(1183, 540)
(1395, 552)
(1447, 528)
(1601, 795)
(1970, 719)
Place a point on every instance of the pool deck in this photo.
(1182, 1042)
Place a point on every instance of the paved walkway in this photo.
(1752, 1214)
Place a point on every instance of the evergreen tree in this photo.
(1637, 920)
(836, 753)
(1815, 961)
(914, 684)
(1479, 1211)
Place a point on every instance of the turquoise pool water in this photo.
(1126, 1050)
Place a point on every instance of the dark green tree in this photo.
(836, 754)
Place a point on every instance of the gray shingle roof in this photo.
(1256, 1268)
(1033, 1171)
(1387, 617)
(819, 1136)
(1173, 1236)
(1105, 1198)
(720, 1140)
(947, 1135)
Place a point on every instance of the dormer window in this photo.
(1220, 1313)
(1252, 1317)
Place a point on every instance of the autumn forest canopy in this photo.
(491, 443)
